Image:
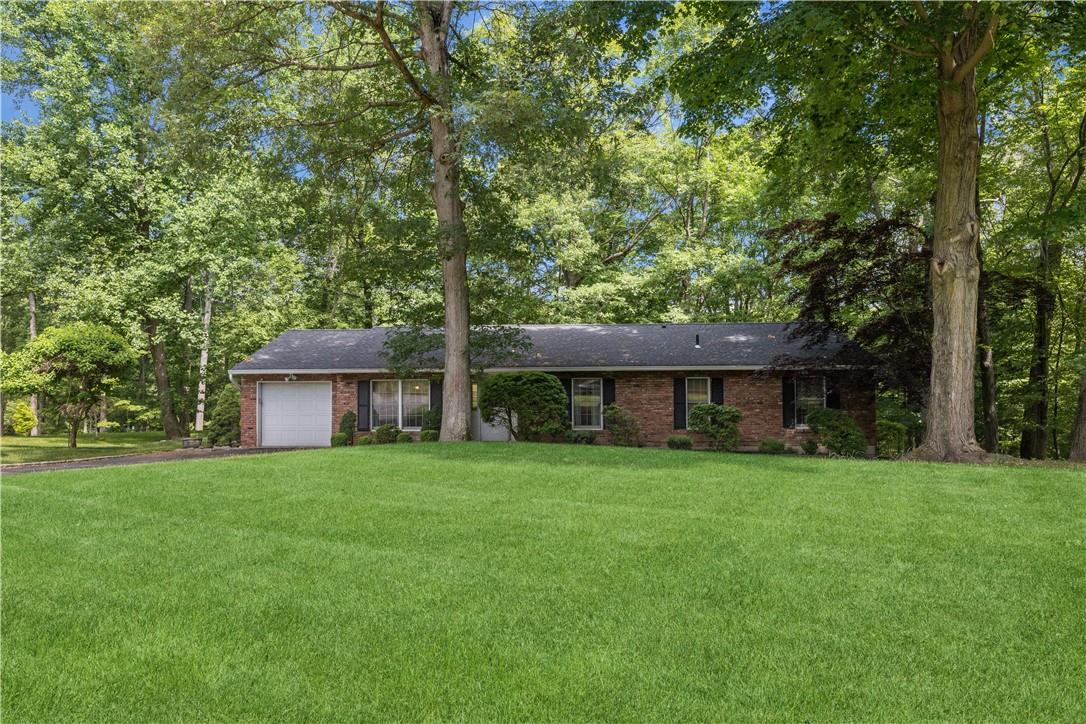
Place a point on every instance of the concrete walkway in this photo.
(165, 456)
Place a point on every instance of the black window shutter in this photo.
(716, 390)
(364, 405)
(833, 397)
(680, 403)
(567, 384)
(608, 395)
(788, 398)
(435, 394)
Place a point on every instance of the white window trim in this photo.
(399, 404)
(686, 387)
(572, 404)
(795, 402)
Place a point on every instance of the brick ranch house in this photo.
(295, 390)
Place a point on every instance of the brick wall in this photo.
(648, 396)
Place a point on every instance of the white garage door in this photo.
(295, 414)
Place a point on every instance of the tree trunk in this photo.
(32, 305)
(170, 424)
(205, 344)
(73, 432)
(955, 269)
(452, 236)
(1078, 433)
(1035, 420)
(367, 305)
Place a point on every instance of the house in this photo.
(295, 390)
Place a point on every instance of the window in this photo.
(588, 404)
(384, 402)
(415, 401)
(697, 393)
(402, 403)
(810, 395)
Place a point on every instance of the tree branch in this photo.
(985, 45)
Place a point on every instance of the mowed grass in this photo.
(531, 582)
(19, 449)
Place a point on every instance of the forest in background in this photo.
(200, 177)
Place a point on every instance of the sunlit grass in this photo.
(20, 449)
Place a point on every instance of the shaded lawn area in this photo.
(19, 449)
(535, 582)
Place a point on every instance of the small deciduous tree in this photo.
(528, 404)
(76, 365)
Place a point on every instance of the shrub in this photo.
(810, 447)
(431, 420)
(720, 423)
(891, 438)
(224, 424)
(582, 437)
(23, 419)
(528, 404)
(772, 446)
(625, 431)
(385, 434)
(364, 440)
(340, 439)
(347, 424)
(429, 436)
(680, 442)
(837, 431)
(404, 437)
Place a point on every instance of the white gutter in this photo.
(653, 368)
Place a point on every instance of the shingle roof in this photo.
(578, 347)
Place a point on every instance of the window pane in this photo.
(416, 401)
(588, 403)
(383, 402)
(810, 395)
(697, 391)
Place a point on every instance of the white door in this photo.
(295, 414)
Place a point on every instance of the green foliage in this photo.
(347, 425)
(810, 447)
(528, 404)
(364, 440)
(720, 423)
(625, 432)
(76, 366)
(340, 439)
(837, 431)
(385, 434)
(897, 428)
(405, 437)
(224, 423)
(431, 420)
(23, 419)
(429, 436)
(582, 437)
(680, 442)
(773, 446)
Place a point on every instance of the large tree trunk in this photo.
(170, 424)
(205, 345)
(955, 269)
(32, 306)
(73, 432)
(452, 236)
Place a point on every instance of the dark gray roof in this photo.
(579, 346)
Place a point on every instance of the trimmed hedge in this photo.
(720, 423)
(680, 442)
(838, 432)
(773, 446)
(340, 439)
(385, 435)
(429, 436)
(404, 437)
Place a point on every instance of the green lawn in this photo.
(531, 582)
(18, 449)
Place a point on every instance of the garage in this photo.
(295, 414)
